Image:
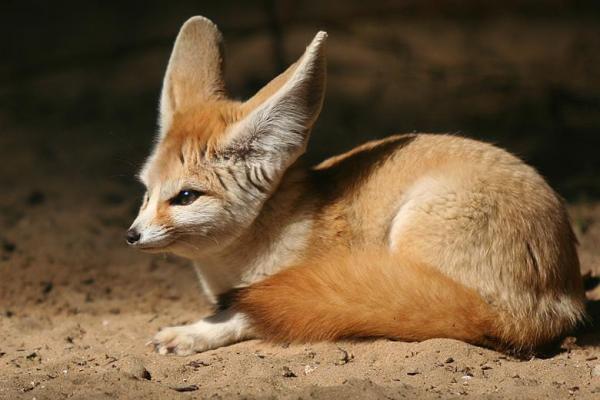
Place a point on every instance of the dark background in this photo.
(79, 81)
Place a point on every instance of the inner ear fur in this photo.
(278, 119)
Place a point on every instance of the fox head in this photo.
(216, 161)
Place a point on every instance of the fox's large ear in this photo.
(195, 71)
(280, 116)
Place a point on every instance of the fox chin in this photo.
(411, 237)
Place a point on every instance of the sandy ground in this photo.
(77, 308)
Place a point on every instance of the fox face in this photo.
(216, 161)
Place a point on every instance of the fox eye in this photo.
(185, 197)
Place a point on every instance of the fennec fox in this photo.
(411, 237)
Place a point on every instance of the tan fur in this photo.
(195, 71)
(269, 89)
(199, 129)
(410, 237)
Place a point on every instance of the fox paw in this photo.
(178, 340)
(207, 334)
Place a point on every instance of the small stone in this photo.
(596, 370)
(345, 358)
(288, 373)
(185, 388)
(308, 369)
(134, 368)
(197, 364)
(449, 360)
(32, 386)
(412, 372)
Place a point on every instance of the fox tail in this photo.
(373, 295)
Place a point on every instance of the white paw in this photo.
(179, 340)
(207, 334)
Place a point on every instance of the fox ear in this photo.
(195, 70)
(278, 119)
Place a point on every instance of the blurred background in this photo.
(79, 81)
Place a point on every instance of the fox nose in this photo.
(133, 236)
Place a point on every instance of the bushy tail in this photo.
(367, 295)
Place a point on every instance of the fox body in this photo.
(411, 237)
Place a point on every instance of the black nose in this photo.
(133, 236)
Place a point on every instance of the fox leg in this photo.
(221, 329)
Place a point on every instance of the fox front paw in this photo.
(178, 340)
(215, 331)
